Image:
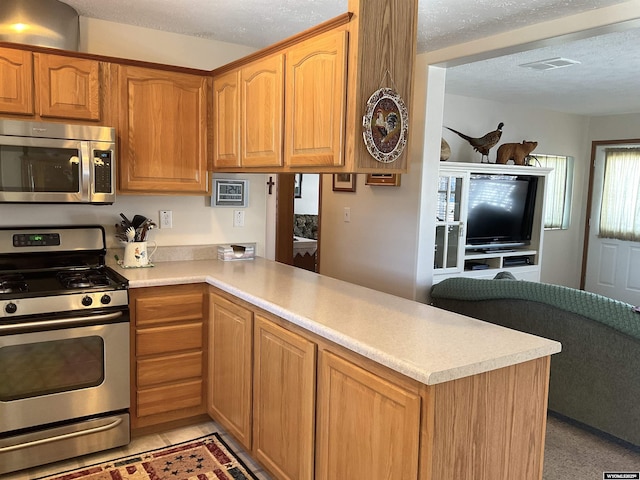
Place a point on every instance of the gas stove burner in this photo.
(86, 279)
(13, 287)
(13, 283)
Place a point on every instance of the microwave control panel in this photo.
(102, 171)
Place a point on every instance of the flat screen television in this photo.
(500, 211)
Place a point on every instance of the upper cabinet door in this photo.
(163, 131)
(261, 112)
(315, 101)
(16, 81)
(67, 87)
(226, 120)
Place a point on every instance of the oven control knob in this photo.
(11, 308)
(105, 300)
(87, 301)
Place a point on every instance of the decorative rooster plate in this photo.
(386, 124)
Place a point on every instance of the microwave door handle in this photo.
(32, 183)
(86, 173)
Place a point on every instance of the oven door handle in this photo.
(66, 322)
(81, 433)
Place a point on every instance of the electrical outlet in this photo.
(238, 218)
(347, 214)
(166, 219)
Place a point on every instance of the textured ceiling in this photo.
(258, 23)
(605, 82)
(441, 23)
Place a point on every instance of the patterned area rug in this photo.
(205, 458)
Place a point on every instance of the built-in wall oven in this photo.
(64, 346)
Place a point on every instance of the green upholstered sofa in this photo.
(595, 379)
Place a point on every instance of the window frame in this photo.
(550, 200)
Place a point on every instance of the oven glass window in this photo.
(38, 169)
(44, 368)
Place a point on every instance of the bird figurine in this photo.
(482, 144)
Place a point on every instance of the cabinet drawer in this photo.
(157, 340)
(170, 308)
(169, 397)
(154, 371)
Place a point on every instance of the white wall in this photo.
(308, 202)
(378, 248)
(614, 127)
(556, 134)
(194, 221)
(137, 43)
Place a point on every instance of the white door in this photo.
(613, 266)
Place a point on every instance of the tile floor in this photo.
(138, 445)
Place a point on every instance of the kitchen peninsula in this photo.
(389, 386)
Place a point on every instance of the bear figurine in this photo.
(515, 151)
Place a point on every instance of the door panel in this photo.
(612, 266)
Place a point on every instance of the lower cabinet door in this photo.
(367, 426)
(230, 373)
(284, 406)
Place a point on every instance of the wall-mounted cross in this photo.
(270, 183)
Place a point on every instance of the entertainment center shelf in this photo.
(489, 219)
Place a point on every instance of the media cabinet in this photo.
(453, 257)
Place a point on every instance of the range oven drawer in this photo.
(62, 442)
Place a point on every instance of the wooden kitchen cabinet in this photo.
(46, 87)
(318, 410)
(330, 73)
(226, 120)
(16, 81)
(368, 427)
(168, 370)
(248, 115)
(261, 114)
(68, 87)
(284, 400)
(285, 110)
(315, 101)
(162, 120)
(230, 367)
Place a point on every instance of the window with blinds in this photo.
(558, 188)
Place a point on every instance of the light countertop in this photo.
(422, 342)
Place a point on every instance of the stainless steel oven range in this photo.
(64, 346)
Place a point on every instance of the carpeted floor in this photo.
(572, 453)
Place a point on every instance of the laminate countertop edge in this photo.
(424, 343)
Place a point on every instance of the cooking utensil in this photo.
(130, 234)
(138, 220)
(126, 220)
(146, 226)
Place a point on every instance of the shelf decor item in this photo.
(386, 125)
(344, 182)
(388, 179)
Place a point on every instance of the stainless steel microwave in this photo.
(56, 163)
